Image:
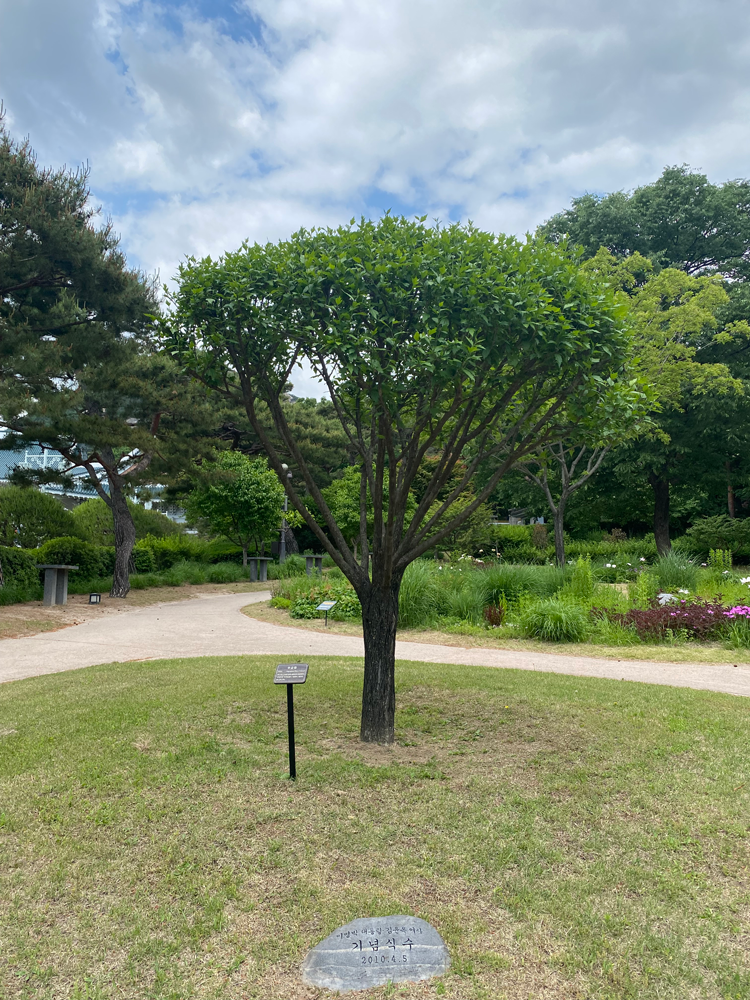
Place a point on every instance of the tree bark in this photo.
(379, 623)
(559, 522)
(292, 548)
(660, 486)
(244, 555)
(730, 491)
(124, 539)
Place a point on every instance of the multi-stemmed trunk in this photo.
(660, 486)
(379, 623)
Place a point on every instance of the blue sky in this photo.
(211, 122)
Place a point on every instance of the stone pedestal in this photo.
(56, 583)
(258, 568)
(317, 562)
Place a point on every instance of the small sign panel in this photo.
(326, 605)
(291, 673)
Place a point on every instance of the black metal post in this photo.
(290, 717)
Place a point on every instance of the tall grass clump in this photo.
(555, 620)
(581, 583)
(510, 582)
(418, 598)
(675, 571)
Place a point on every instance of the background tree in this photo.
(681, 221)
(125, 415)
(239, 498)
(29, 518)
(94, 523)
(450, 342)
(71, 315)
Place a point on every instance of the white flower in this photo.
(745, 579)
(681, 591)
(726, 572)
(642, 559)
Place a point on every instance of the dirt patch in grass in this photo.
(33, 617)
(689, 652)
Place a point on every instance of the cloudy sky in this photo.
(213, 121)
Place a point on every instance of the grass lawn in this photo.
(471, 637)
(570, 838)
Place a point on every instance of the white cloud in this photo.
(219, 120)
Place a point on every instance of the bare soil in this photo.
(31, 618)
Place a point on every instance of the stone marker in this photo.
(373, 951)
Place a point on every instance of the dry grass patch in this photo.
(570, 838)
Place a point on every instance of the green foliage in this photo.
(720, 560)
(91, 560)
(19, 568)
(29, 518)
(676, 571)
(238, 498)
(738, 634)
(93, 522)
(555, 620)
(294, 565)
(302, 595)
(581, 585)
(719, 532)
(681, 221)
(644, 589)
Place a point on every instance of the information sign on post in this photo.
(327, 606)
(291, 674)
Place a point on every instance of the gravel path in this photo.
(214, 626)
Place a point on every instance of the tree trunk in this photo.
(2, 579)
(730, 491)
(660, 486)
(244, 555)
(124, 539)
(292, 548)
(559, 521)
(379, 622)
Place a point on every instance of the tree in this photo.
(71, 313)
(614, 412)
(94, 523)
(443, 341)
(29, 518)
(681, 221)
(239, 498)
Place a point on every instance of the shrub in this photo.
(30, 518)
(93, 522)
(91, 560)
(539, 536)
(676, 571)
(720, 560)
(644, 589)
(582, 580)
(700, 620)
(555, 621)
(294, 565)
(143, 560)
(719, 532)
(19, 568)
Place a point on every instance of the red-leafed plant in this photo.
(702, 620)
(494, 615)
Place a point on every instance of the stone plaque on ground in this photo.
(373, 951)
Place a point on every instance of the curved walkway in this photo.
(214, 626)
